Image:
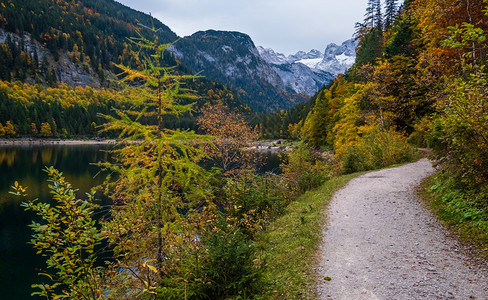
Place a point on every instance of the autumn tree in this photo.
(46, 130)
(232, 138)
(159, 183)
(9, 129)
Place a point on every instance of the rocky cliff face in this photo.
(337, 59)
(302, 79)
(306, 72)
(232, 59)
(65, 69)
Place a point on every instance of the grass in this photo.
(290, 244)
(464, 213)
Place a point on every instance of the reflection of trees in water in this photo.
(7, 157)
(46, 156)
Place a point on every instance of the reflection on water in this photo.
(18, 264)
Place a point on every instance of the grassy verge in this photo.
(290, 244)
(465, 213)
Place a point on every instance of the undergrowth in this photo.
(289, 246)
(464, 211)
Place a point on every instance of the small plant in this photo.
(68, 237)
(229, 262)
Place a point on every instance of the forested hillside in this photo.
(91, 33)
(58, 66)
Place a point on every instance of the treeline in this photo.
(38, 111)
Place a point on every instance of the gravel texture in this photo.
(381, 243)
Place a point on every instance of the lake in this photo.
(19, 265)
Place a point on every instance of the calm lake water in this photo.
(19, 265)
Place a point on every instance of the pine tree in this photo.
(378, 17)
(369, 16)
(390, 12)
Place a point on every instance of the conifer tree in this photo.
(390, 12)
(378, 16)
(159, 183)
(369, 16)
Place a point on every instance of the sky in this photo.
(286, 26)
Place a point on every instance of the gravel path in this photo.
(381, 243)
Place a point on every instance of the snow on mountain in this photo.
(302, 79)
(337, 59)
(302, 55)
(311, 62)
(306, 72)
(271, 56)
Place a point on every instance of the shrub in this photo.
(228, 267)
(465, 128)
(255, 200)
(305, 169)
(310, 180)
(377, 149)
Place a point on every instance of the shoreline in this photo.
(34, 141)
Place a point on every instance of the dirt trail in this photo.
(380, 243)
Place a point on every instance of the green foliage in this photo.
(464, 209)
(466, 38)
(254, 201)
(68, 237)
(229, 262)
(378, 149)
(277, 125)
(465, 128)
(310, 180)
(370, 48)
(305, 169)
(317, 124)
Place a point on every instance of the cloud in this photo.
(284, 25)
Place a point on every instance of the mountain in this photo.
(72, 40)
(301, 78)
(232, 59)
(337, 59)
(80, 42)
(307, 72)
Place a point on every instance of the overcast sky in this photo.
(287, 26)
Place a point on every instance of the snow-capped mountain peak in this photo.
(271, 56)
(337, 59)
(306, 72)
